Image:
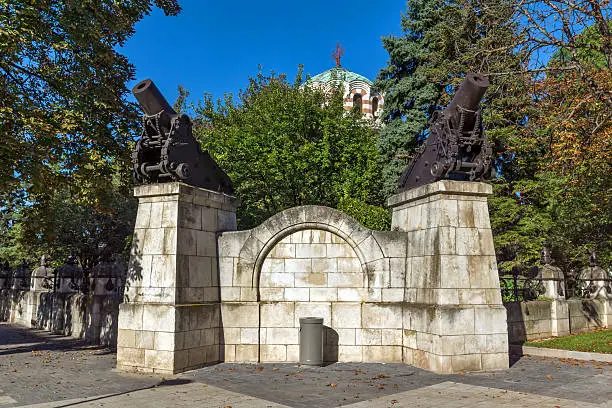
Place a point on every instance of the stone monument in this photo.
(458, 317)
(169, 320)
(426, 293)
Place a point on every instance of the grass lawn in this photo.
(599, 341)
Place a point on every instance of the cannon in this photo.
(457, 147)
(167, 150)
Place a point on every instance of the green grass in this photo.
(599, 341)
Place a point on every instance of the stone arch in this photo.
(265, 236)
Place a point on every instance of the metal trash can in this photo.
(311, 341)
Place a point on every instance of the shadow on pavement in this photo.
(28, 340)
(163, 383)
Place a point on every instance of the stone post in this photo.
(456, 320)
(170, 318)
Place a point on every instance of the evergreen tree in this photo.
(442, 41)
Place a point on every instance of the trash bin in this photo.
(311, 341)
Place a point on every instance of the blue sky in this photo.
(215, 46)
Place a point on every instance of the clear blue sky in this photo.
(214, 46)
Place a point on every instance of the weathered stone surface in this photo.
(174, 268)
(427, 293)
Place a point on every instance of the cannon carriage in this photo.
(167, 150)
(457, 147)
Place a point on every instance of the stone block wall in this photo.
(541, 319)
(311, 261)
(426, 293)
(170, 319)
(314, 272)
(93, 318)
(455, 314)
(589, 314)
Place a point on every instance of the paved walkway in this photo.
(42, 370)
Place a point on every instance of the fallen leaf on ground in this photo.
(332, 385)
(549, 377)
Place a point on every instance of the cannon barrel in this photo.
(468, 96)
(457, 147)
(151, 99)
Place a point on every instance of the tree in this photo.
(63, 107)
(553, 187)
(65, 123)
(68, 226)
(442, 41)
(286, 144)
(567, 144)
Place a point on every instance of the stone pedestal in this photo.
(454, 320)
(169, 321)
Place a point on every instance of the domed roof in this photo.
(338, 73)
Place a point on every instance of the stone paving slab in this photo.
(445, 394)
(451, 394)
(38, 368)
(189, 395)
(347, 383)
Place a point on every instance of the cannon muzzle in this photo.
(468, 97)
(150, 98)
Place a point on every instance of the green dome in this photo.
(338, 73)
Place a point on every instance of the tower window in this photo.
(357, 102)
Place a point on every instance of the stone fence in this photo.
(541, 319)
(67, 300)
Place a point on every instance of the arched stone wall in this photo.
(310, 261)
(312, 265)
(312, 272)
(430, 292)
(257, 243)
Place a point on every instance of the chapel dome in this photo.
(338, 74)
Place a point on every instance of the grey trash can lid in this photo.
(311, 320)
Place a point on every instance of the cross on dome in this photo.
(338, 53)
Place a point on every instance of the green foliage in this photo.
(65, 124)
(285, 144)
(373, 216)
(62, 89)
(442, 41)
(66, 226)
